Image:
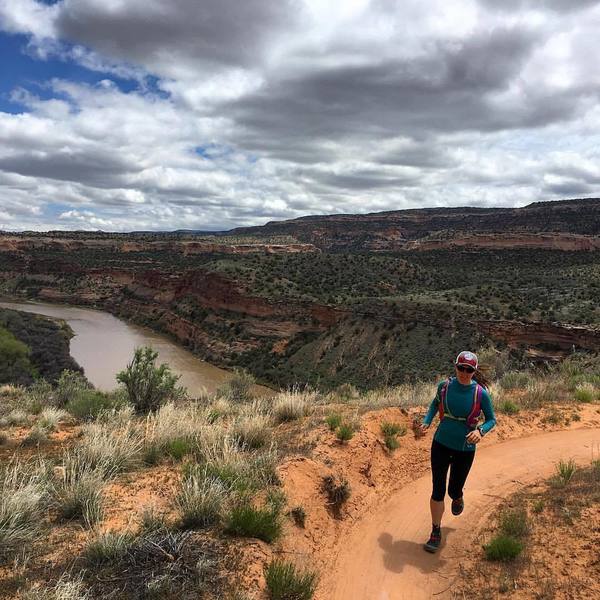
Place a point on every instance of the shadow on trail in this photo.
(399, 553)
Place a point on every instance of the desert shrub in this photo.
(23, 495)
(148, 386)
(238, 389)
(88, 404)
(565, 471)
(514, 523)
(333, 421)
(585, 392)
(69, 386)
(515, 380)
(286, 582)
(200, 500)
(293, 404)
(77, 490)
(508, 407)
(108, 548)
(64, 589)
(116, 449)
(337, 490)
(246, 520)
(503, 548)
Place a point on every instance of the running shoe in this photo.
(435, 539)
(457, 506)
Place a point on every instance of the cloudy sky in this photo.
(210, 114)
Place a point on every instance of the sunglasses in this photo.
(465, 369)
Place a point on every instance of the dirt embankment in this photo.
(384, 523)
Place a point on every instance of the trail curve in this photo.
(383, 558)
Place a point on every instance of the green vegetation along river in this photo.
(103, 345)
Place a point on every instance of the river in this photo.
(103, 345)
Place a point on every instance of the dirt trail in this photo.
(383, 559)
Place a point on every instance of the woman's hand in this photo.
(474, 437)
(423, 428)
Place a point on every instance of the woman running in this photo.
(459, 402)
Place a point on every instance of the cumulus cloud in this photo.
(239, 113)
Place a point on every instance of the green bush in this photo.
(286, 582)
(178, 448)
(14, 359)
(69, 386)
(345, 432)
(392, 429)
(148, 386)
(565, 471)
(87, 404)
(334, 421)
(585, 392)
(503, 548)
(248, 521)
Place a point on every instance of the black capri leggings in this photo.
(459, 461)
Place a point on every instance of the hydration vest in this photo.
(473, 416)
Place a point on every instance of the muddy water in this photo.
(103, 345)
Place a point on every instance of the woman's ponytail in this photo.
(481, 378)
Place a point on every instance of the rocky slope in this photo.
(577, 222)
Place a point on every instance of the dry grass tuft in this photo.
(116, 449)
(23, 495)
(294, 404)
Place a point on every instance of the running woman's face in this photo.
(464, 374)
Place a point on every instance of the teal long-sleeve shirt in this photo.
(459, 399)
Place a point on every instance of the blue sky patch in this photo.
(21, 70)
